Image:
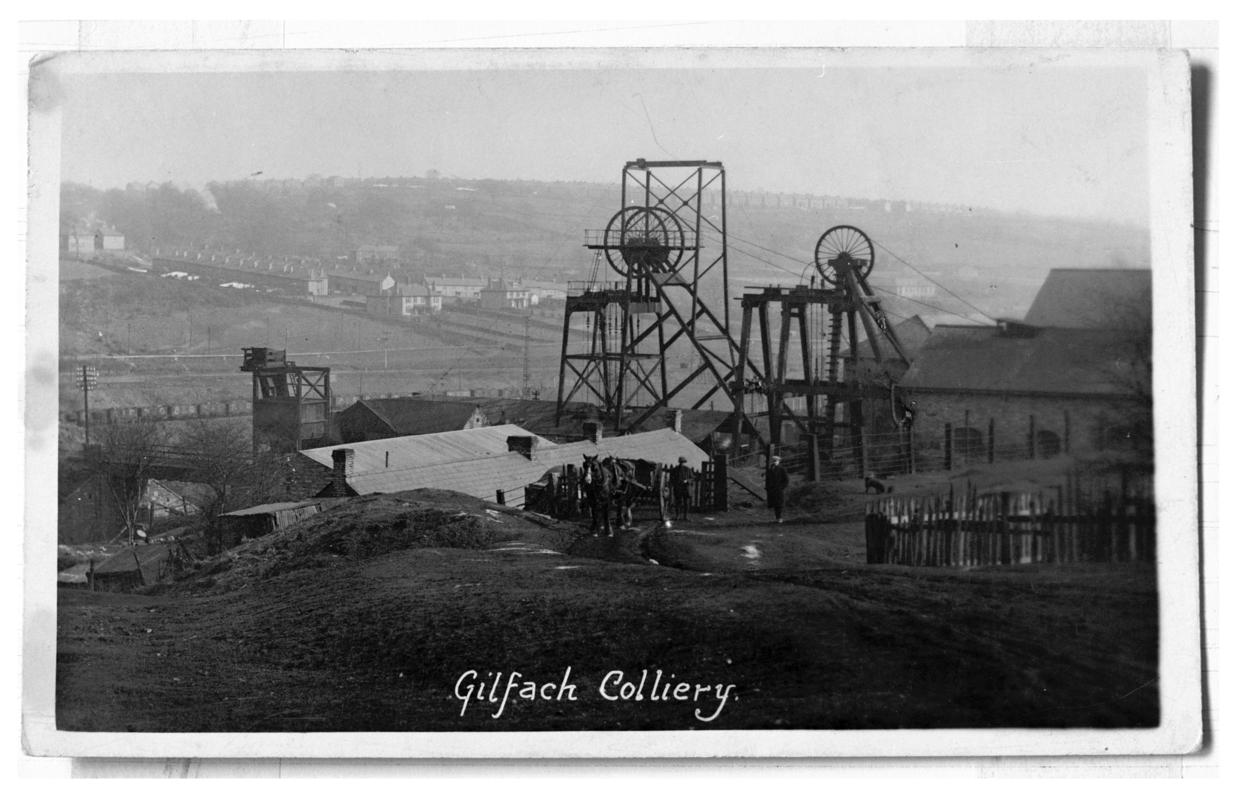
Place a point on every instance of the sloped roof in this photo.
(434, 460)
(1053, 361)
(538, 416)
(663, 446)
(411, 416)
(199, 494)
(911, 332)
(478, 462)
(150, 555)
(696, 424)
(269, 508)
(1091, 298)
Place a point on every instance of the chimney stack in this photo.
(677, 415)
(594, 431)
(523, 445)
(344, 460)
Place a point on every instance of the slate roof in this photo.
(478, 461)
(1086, 298)
(538, 416)
(410, 416)
(959, 358)
(911, 332)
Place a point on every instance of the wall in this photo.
(1082, 421)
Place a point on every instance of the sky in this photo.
(1046, 138)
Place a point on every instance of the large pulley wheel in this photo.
(843, 249)
(641, 240)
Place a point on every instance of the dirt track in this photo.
(337, 637)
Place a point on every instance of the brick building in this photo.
(1048, 390)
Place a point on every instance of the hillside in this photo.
(536, 228)
(370, 615)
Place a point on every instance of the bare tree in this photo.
(221, 457)
(126, 456)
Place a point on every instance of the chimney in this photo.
(344, 459)
(523, 445)
(593, 431)
(677, 415)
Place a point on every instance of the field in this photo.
(370, 616)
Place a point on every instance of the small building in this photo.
(369, 285)
(249, 523)
(541, 291)
(405, 416)
(499, 294)
(166, 498)
(412, 300)
(76, 243)
(456, 288)
(134, 567)
(108, 239)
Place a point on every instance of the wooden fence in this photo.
(1069, 524)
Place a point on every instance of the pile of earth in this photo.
(365, 527)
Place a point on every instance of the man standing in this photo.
(682, 477)
(777, 484)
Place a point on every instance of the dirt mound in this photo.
(366, 527)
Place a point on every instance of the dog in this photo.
(878, 486)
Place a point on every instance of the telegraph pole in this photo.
(87, 380)
(527, 356)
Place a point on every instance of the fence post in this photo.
(812, 465)
(1004, 528)
(1066, 431)
(865, 453)
(1032, 436)
(990, 442)
(947, 447)
(720, 478)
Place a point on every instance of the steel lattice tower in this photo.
(653, 336)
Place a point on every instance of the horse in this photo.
(625, 489)
(597, 484)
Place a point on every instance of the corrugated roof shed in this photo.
(1053, 361)
(269, 508)
(1091, 298)
(411, 416)
(478, 461)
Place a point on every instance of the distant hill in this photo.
(532, 228)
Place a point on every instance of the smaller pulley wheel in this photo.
(641, 240)
(843, 248)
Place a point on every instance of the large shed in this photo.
(493, 463)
